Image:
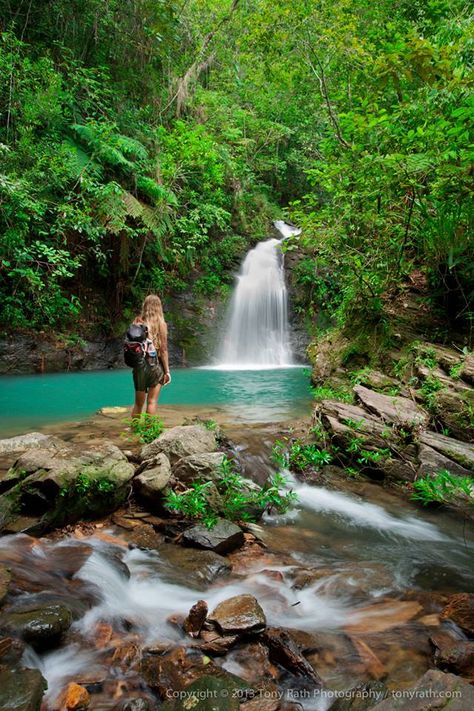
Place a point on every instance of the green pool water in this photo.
(29, 402)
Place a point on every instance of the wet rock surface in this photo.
(222, 538)
(460, 609)
(199, 466)
(21, 689)
(435, 689)
(41, 626)
(151, 482)
(241, 614)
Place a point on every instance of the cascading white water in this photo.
(257, 334)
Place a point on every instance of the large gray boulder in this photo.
(63, 485)
(29, 441)
(181, 441)
(205, 466)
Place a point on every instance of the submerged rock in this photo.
(223, 538)
(210, 693)
(241, 613)
(460, 609)
(21, 689)
(457, 658)
(190, 566)
(204, 466)
(435, 690)
(285, 651)
(5, 578)
(361, 697)
(181, 441)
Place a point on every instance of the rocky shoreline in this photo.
(229, 648)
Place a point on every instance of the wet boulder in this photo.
(5, 578)
(457, 658)
(204, 466)
(190, 566)
(41, 625)
(151, 482)
(181, 441)
(361, 697)
(223, 538)
(239, 614)
(435, 689)
(21, 689)
(460, 609)
(63, 485)
(197, 616)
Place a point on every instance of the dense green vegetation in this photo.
(144, 144)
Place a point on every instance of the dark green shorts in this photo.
(148, 376)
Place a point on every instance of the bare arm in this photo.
(164, 351)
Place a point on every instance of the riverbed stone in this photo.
(41, 626)
(431, 462)
(210, 693)
(206, 466)
(151, 482)
(192, 567)
(241, 613)
(181, 441)
(222, 538)
(392, 409)
(65, 484)
(21, 689)
(460, 609)
(457, 658)
(361, 697)
(435, 690)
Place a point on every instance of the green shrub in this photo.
(147, 427)
(443, 488)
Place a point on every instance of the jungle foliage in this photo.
(144, 144)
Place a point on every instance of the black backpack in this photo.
(134, 345)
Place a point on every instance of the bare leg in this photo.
(139, 402)
(152, 400)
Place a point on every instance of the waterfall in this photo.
(257, 332)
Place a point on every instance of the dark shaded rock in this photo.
(42, 627)
(11, 650)
(393, 409)
(211, 642)
(241, 613)
(460, 452)
(223, 538)
(326, 356)
(138, 704)
(21, 689)
(460, 609)
(435, 690)
(181, 441)
(454, 411)
(361, 697)
(196, 618)
(150, 483)
(285, 651)
(204, 466)
(467, 372)
(457, 658)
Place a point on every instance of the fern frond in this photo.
(154, 190)
(131, 147)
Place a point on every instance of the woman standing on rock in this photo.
(153, 372)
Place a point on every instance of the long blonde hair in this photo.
(152, 315)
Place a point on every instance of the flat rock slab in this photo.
(435, 690)
(181, 441)
(21, 689)
(190, 566)
(393, 409)
(241, 613)
(224, 537)
(461, 452)
(31, 440)
(432, 462)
